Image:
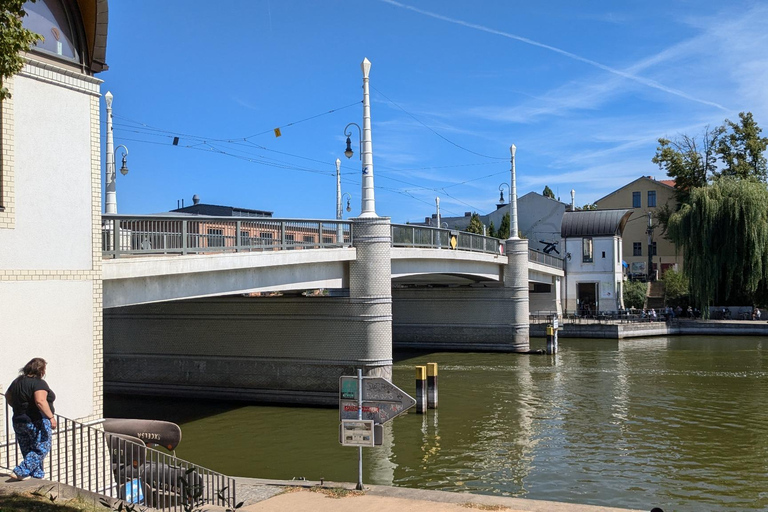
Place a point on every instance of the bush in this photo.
(634, 294)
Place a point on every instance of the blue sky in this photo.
(583, 89)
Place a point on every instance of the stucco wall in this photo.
(604, 271)
(50, 253)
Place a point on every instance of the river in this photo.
(674, 422)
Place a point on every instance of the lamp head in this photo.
(349, 208)
(512, 150)
(501, 196)
(348, 152)
(124, 167)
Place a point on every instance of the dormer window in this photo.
(52, 20)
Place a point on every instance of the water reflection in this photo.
(673, 422)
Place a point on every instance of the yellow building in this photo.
(645, 195)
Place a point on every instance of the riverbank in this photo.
(611, 329)
(261, 495)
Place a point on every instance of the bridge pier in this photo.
(491, 317)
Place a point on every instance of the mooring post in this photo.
(431, 385)
(421, 389)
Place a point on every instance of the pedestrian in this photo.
(33, 418)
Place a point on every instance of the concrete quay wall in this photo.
(645, 329)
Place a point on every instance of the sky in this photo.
(582, 89)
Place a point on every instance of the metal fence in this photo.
(121, 467)
(406, 235)
(545, 259)
(146, 234)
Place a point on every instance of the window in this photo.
(215, 237)
(637, 249)
(653, 248)
(586, 255)
(290, 239)
(603, 254)
(651, 198)
(266, 238)
(635, 199)
(327, 240)
(245, 238)
(50, 19)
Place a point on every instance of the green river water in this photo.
(676, 422)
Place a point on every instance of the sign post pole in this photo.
(359, 417)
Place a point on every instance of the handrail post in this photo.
(282, 235)
(184, 244)
(238, 226)
(116, 237)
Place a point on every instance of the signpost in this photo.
(365, 403)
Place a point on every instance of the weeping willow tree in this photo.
(723, 232)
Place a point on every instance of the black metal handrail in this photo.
(121, 467)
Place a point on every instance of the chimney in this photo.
(573, 200)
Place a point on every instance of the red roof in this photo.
(670, 183)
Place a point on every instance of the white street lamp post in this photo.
(437, 206)
(110, 202)
(513, 199)
(338, 189)
(368, 201)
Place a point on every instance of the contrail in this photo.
(649, 83)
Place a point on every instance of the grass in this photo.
(330, 492)
(42, 501)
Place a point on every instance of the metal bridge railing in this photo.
(545, 259)
(121, 467)
(124, 235)
(406, 235)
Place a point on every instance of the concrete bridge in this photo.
(278, 309)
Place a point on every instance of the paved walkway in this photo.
(299, 496)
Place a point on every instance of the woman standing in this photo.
(33, 418)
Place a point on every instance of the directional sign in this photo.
(382, 400)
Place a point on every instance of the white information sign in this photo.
(357, 433)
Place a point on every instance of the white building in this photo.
(593, 260)
(50, 206)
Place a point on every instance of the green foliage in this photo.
(492, 230)
(14, 39)
(548, 192)
(591, 206)
(503, 232)
(675, 286)
(723, 233)
(634, 294)
(690, 161)
(475, 226)
(741, 149)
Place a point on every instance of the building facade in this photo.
(645, 196)
(50, 206)
(592, 240)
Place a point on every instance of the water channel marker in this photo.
(365, 403)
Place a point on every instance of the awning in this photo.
(624, 264)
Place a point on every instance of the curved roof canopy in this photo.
(594, 223)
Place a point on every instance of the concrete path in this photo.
(299, 496)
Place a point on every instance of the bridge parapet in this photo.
(184, 234)
(407, 235)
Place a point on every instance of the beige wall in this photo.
(50, 252)
(635, 230)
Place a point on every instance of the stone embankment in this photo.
(611, 329)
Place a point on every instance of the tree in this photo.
(675, 286)
(503, 232)
(14, 39)
(548, 192)
(741, 149)
(690, 161)
(634, 294)
(492, 230)
(589, 206)
(723, 233)
(475, 226)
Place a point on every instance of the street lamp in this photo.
(513, 198)
(501, 194)
(437, 207)
(348, 152)
(339, 196)
(110, 203)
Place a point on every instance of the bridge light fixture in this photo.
(349, 152)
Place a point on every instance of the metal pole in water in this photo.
(421, 389)
(359, 417)
(431, 385)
